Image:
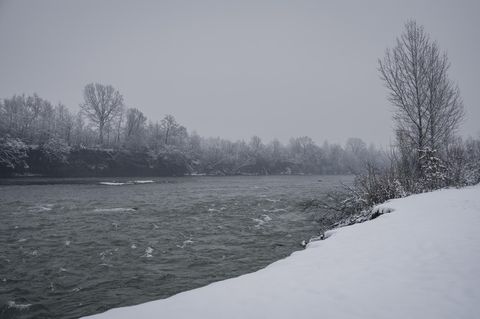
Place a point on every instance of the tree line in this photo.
(104, 122)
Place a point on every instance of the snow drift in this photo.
(420, 261)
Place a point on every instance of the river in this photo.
(70, 248)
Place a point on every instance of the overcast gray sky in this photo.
(234, 68)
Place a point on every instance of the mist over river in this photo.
(70, 248)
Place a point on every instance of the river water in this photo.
(70, 248)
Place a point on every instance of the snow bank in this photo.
(420, 261)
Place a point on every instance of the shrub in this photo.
(13, 153)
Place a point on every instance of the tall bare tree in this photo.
(101, 104)
(135, 128)
(171, 129)
(428, 106)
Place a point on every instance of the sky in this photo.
(235, 69)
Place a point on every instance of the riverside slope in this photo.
(420, 261)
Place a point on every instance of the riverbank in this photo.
(420, 261)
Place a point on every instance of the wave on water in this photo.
(115, 183)
(19, 306)
(127, 183)
(115, 210)
(185, 243)
(148, 252)
(216, 210)
(272, 200)
(41, 208)
(261, 221)
(266, 218)
(143, 182)
(275, 210)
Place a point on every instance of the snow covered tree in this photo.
(55, 150)
(13, 152)
(101, 104)
(428, 106)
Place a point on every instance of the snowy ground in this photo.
(420, 261)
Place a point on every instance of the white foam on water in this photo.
(275, 210)
(144, 182)
(148, 252)
(21, 240)
(272, 200)
(67, 243)
(261, 221)
(266, 218)
(114, 210)
(133, 246)
(19, 306)
(109, 252)
(114, 183)
(41, 208)
(185, 243)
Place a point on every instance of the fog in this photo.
(234, 69)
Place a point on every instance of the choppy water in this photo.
(70, 250)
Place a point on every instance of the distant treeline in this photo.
(105, 138)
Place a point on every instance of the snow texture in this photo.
(422, 260)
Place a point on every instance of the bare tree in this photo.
(102, 104)
(135, 122)
(428, 106)
(118, 127)
(171, 129)
(135, 128)
(64, 123)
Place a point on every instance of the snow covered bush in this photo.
(373, 186)
(458, 166)
(472, 167)
(55, 150)
(432, 169)
(13, 152)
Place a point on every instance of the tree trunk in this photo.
(100, 129)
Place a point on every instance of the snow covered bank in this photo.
(420, 261)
